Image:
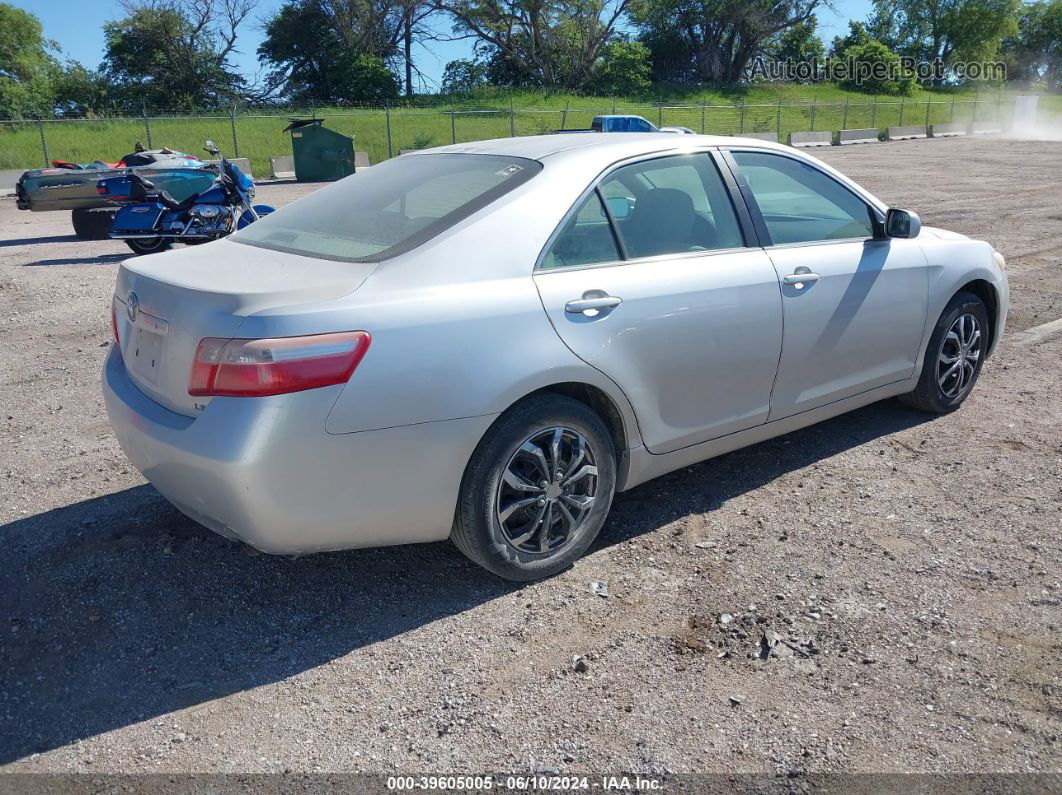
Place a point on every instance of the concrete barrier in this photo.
(947, 130)
(242, 163)
(985, 127)
(864, 135)
(282, 167)
(902, 133)
(361, 160)
(760, 136)
(811, 138)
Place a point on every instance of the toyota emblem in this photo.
(132, 306)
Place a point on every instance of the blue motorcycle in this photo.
(151, 220)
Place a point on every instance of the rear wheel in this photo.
(149, 245)
(93, 223)
(954, 356)
(537, 490)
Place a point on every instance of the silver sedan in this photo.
(487, 341)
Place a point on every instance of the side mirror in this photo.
(902, 223)
(211, 147)
(620, 207)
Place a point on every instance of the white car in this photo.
(486, 341)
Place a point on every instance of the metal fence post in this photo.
(929, 103)
(147, 124)
(778, 120)
(901, 112)
(453, 126)
(232, 123)
(741, 119)
(702, 117)
(512, 118)
(44, 144)
(660, 114)
(844, 120)
(951, 116)
(613, 106)
(564, 115)
(814, 100)
(874, 112)
(387, 112)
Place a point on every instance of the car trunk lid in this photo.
(166, 303)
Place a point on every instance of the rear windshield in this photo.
(389, 209)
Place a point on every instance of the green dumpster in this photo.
(321, 155)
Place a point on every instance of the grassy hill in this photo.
(491, 113)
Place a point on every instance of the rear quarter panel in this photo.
(458, 328)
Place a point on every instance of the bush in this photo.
(877, 70)
(622, 69)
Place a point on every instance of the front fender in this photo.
(954, 263)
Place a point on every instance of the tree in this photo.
(553, 43)
(857, 35)
(175, 52)
(878, 69)
(713, 40)
(799, 43)
(323, 36)
(27, 69)
(77, 91)
(1034, 52)
(463, 76)
(622, 69)
(310, 61)
(948, 30)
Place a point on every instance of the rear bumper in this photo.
(265, 471)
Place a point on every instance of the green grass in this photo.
(434, 121)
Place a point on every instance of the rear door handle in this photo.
(795, 279)
(597, 302)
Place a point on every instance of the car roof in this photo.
(608, 146)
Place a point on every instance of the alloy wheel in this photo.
(547, 490)
(960, 352)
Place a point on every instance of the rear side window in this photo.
(586, 239)
(672, 205)
(389, 209)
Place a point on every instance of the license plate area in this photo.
(145, 353)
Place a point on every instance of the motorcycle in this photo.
(151, 220)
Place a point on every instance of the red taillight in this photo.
(255, 368)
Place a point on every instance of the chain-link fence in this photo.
(385, 132)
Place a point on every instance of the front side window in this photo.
(389, 209)
(671, 205)
(801, 204)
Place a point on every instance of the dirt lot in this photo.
(911, 568)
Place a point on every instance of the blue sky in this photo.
(76, 26)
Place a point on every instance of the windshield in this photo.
(389, 209)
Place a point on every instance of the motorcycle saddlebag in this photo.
(137, 218)
(120, 189)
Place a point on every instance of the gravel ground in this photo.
(891, 583)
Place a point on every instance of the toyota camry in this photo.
(487, 341)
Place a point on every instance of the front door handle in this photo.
(800, 278)
(592, 301)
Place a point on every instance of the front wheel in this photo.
(149, 245)
(954, 356)
(537, 489)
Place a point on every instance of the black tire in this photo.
(93, 223)
(478, 531)
(151, 245)
(930, 395)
